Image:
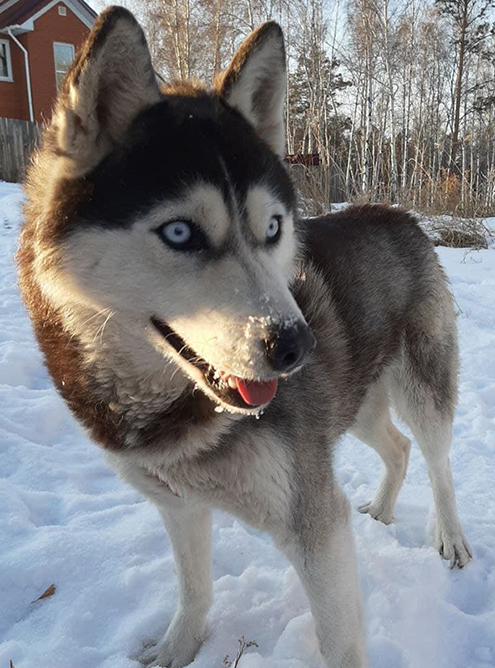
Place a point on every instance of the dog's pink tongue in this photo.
(255, 393)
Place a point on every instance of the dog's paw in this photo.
(454, 548)
(168, 655)
(179, 647)
(377, 512)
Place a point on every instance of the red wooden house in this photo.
(38, 41)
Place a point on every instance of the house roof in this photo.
(23, 13)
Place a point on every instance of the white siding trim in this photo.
(82, 14)
(7, 5)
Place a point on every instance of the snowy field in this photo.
(67, 520)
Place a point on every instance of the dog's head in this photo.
(184, 230)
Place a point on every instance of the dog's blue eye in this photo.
(182, 235)
(177, 233)
(274, 228)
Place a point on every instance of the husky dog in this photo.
(177, 297)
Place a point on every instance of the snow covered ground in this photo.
(67, 520)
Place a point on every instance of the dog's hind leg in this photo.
(433, 432)
(424, 388)
(374, 427)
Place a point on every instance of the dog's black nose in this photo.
(288, 347)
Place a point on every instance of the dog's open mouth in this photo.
(230, 389)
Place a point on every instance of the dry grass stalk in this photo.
(243, 646)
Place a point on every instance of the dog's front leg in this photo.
(323, 555)
(189, 529)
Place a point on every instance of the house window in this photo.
(5, 61)
(62, 11)
(64, 55)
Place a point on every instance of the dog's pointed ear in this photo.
(255, 83)
(110, 82)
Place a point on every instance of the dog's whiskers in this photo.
(101, 329)
(95, 315)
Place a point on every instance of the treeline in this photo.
(396, 98)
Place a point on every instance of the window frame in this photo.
(55, 44)
(10, 74)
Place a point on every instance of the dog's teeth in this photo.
(218, 409)
(232, 383)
